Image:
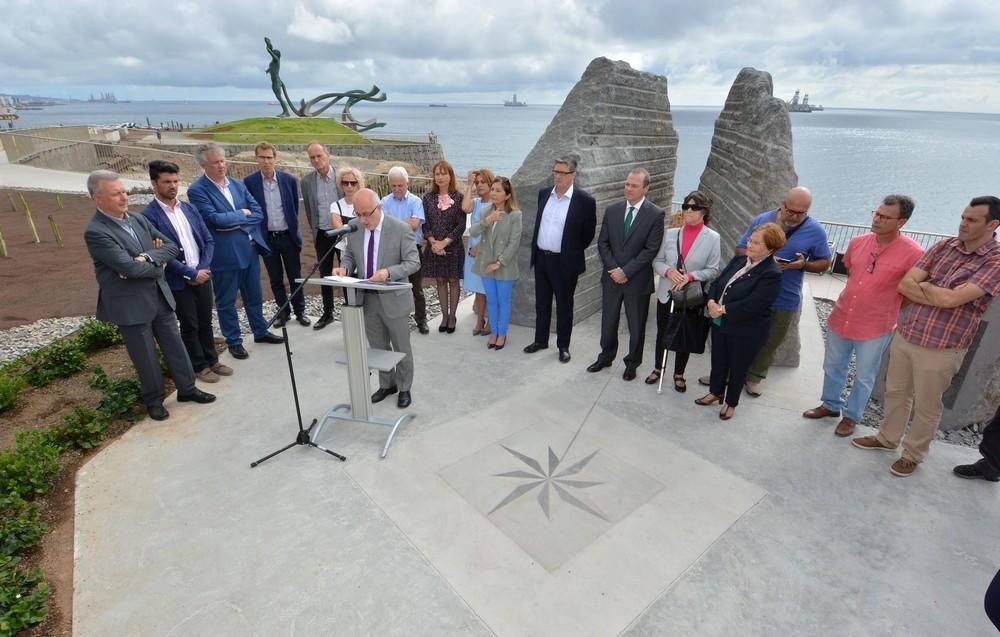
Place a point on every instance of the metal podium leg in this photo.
(356, 344)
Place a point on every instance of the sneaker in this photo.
(871, 443)
(903, 468)
(705, 380)
(753, 389)
(207, 376)
(222, 370)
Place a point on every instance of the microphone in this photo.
(348, 228)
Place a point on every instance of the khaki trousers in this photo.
(917, 377)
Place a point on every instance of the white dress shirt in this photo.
(185, 235)
(364, 248)
(550, 232)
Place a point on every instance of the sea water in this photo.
(849, 158)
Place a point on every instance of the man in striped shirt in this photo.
(950, 288)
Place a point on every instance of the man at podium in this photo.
(384, 250)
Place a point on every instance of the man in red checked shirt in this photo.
(951, 287)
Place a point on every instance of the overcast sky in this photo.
(915, 54)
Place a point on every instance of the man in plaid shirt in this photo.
(950, 288)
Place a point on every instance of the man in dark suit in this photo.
(319, 192)
(234, 217)
(277, 193)
(129, 255)
(384, 251)
(630, 238)
(189, 275)
(564, 227)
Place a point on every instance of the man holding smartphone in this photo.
(806, 250)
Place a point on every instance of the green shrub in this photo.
(10, 387)
(82, 429)
(23, 595)
(94, 335)
(121, 397)
(21, 525)
(29, 468)
(61, 358)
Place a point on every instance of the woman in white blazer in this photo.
(689, 255)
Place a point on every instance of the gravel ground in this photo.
(969, 436)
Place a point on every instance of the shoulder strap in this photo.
(680, 257)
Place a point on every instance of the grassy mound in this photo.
(278, 130)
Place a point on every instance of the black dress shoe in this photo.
(158, 412)
(979, 470)
(382, 392)
(534, 347)
(323, 321)
(196, 396)
(564, 356)
(597, 366)
(238, 351)
(280, 321)
(303, 320)
(403, 401)
(629, 373)
(274, 339)
(422, 327)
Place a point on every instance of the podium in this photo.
(360, 358)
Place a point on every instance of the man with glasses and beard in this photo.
(863, 320)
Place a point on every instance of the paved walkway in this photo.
(526, 498)
(30, 178)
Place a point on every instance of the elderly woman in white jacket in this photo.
(689, 255)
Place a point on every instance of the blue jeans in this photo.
(868, 355)
(247, 283)
(499, 295)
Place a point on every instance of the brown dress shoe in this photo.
(820, 412)
(845, 427)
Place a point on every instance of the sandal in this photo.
(654, 377)
(680, 384)
(707, 399)
(727, 412)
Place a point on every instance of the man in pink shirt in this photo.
(865, 315)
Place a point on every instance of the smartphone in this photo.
(782, 260)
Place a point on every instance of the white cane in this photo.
(663, 370)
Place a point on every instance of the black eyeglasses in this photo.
(563, 172)
(871, 264)
(348, 183)
(362, 215)
(692, 206)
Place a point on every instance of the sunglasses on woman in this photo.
(692, 206)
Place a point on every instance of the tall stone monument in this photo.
(614, 120)
(750, 165)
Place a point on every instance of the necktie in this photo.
(628, 219)
(370, 270)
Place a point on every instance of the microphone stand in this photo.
(303, 436)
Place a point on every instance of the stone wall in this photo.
(614, 120)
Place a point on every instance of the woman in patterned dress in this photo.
(480, 180)
(444, 255)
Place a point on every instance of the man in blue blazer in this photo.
(277, 193)
(564, 226)
(189, 273)
(234, 217)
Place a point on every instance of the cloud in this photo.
(897, 53)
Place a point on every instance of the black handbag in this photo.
(692, 295)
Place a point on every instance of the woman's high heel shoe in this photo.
(707, 399)
(727, 412)
(451, 325)
(499, 345)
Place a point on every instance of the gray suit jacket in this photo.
(702, 261)
(498, 243)
(307, 186)
(128, 289)
(633, 254)
(397, 252)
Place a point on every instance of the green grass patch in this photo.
(281, 130)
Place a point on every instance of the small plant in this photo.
(95, 335)
(61, 358)
(29, 468)
(82, 429)
(121, 397)
(23, 596)
(10, 387)
(21, 525)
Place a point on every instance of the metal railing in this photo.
(840, 235)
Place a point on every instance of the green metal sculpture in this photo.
(305, 109)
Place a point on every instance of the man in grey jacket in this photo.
(384, 251)
(129, 255)
(319, 191)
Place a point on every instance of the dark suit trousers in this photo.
(551, 280)
(194, 312)
(732, 354)
(324, 243)
(417, 281)
(139, 342)
(284, 260)
(636, 310)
